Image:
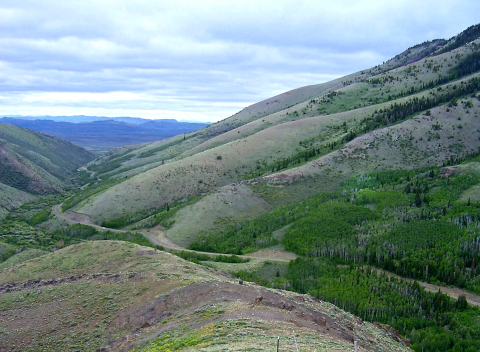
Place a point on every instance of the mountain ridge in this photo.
(275, 132)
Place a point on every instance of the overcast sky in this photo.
(198, 60)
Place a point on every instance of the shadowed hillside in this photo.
(32, 164)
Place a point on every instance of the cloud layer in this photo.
(198, 60)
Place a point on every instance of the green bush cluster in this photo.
(199, 257)
(22, 235)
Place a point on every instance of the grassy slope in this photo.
(122, 295)
(56, 156)
(144, 157)
(32, 163)
(21, 257)
(277, 134)
(11, 198)
(403, 146)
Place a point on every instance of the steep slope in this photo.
(137, 159)
(468, 35)
(141, 158)
(284, 138)
(115, 296)
(32, 163)
(423, 141)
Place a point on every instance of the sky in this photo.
(198, 60)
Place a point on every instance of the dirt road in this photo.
(157, 236)
(453, 292)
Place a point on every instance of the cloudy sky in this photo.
(198, 60)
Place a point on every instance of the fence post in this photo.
(356, 346)
(296, 345)
(278, 342)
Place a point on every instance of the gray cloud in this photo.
(198, 60)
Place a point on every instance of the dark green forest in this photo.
(409, 223)
(419, 315)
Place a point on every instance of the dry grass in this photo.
(210, 160)
(218, 209)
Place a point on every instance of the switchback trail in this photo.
(164, 241)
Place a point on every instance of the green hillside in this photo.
(359, 110)
(33, 164)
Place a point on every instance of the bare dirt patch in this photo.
(158, 235)
(272, 254)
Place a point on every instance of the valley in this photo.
(99, 135)
(339, 212)
(157, 236)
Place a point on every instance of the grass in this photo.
(104, 290)
(21, 257)
(401, 146)
(214, 212)
(85, 308)
(201, 172)
(11, 198)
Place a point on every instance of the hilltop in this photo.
(115, 296)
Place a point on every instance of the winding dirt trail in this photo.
(158, 236)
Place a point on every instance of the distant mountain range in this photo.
(99, 134)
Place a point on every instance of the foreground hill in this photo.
(33, 164)
(115, 296)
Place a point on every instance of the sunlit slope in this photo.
(136, 159)
(216, 167)
(172, 171)
(252, 156)
(384, 83)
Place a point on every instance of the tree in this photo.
(462, 302)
